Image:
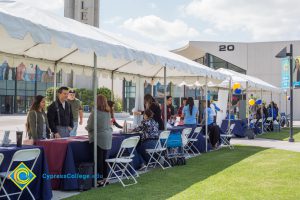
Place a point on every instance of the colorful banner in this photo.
(296, 72)
(285, 73)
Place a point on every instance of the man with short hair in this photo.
(60, 114)
(76, 109)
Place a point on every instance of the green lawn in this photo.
(242, 173)
(284, 134)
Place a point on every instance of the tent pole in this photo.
(95, 85)
(152, 87)
(165, 97)
(247, 107)
(272, 105)
(112, 86)
(206, 112)
(286, 103)
(262, 112)
(54, 82)
(229, 106)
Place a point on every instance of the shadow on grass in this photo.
(284, 134)
(163, 184)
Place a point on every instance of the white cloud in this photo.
(264, 20)
(157, 29)
(153, 5)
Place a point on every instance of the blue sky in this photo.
(170, 24)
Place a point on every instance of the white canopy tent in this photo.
(66, 44)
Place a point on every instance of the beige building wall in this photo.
(257, 58)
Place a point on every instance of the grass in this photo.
(242, 173)
(284, 134)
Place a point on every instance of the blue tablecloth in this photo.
(40, 188)
(239, 128)
(78, 152)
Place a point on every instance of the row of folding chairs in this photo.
(19, 156)
(121, 168)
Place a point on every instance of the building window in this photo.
(82, 4)
(216, 63)
(84, 16)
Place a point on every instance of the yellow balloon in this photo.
(236, 86)
(251, 102)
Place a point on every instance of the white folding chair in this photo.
(19, 156)
(156, 154)
(185, 140)
(225, 138)
(194, 138)
(121, 163)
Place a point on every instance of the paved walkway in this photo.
(268, 143)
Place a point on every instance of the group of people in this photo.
(64, 115)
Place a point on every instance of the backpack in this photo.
(85, 169)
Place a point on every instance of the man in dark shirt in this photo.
(60, 115)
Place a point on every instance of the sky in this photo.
(170, 24)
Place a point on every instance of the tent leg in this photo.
(54, 82)
(206, 112)
(165, 97)
(95, 85)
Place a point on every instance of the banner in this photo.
(285, 73)
(296, 72)
(222, 104)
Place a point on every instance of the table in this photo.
(40, 187)
(64, 155)
(239, 128)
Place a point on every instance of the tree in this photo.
(105, 92)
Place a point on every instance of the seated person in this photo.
(149, 135)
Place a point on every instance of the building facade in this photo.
(255, 59)
(85, 11)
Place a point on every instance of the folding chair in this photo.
(122, 161)
(225, 138)
(19, 156)
(185, 140)
(192, 139)
(156, 154)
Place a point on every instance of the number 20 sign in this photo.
(229, 47)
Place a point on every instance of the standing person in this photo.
(60, 114)
(190, 113)
(215, 110)
(112, 113)
(179, 112)
(104, 135)
(76, 110)
(170, 109)
(297, 71)
(214, 134)
(150, 103)
(37, 121)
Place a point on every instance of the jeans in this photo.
(63, 131)
(141, 149)
(73, 132)
(102, 155)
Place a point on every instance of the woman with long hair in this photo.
(37, 122)
(104, 135)
(190, 112)
(112, 112)
(150, 103)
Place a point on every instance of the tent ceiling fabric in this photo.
(254, 83)
(35, 33)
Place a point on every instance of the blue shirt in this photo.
(188, 117)
(210, 116)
